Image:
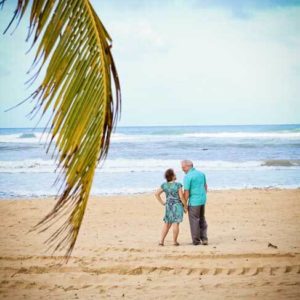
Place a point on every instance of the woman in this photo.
(175, 205)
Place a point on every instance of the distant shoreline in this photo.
(146, 194)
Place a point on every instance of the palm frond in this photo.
(74, 47)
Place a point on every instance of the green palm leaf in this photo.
(74, 47)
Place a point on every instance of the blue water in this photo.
(231, 156)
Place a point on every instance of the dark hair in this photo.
(169, 175)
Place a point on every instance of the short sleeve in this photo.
(204, 179)
(187, 183)
(162, 186)
(179, 185)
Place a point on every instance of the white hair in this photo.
(187, 162)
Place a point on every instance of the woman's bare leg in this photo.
(164, 232)
(175, 233)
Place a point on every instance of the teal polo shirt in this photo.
(194, 181)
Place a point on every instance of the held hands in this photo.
(185, 208)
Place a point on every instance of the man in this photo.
(195, 189)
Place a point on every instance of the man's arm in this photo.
(187, 186)
(186, 196)
(183, 200)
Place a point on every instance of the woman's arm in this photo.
(158, 197)
(184, 202)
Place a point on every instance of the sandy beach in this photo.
(117, 255)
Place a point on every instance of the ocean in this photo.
(232, 157)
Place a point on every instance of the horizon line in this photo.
(195, 125)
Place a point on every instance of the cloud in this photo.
(239, 9)
(139, 35)
(211, 62)
(183, 62)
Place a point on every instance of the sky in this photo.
(183, 62)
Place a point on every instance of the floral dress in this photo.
(174, 207)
